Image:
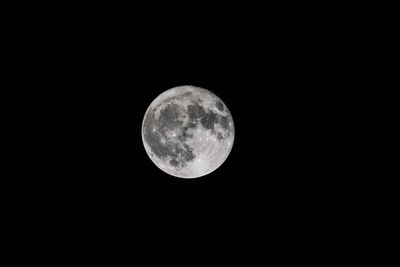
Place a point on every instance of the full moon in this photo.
(188, 132)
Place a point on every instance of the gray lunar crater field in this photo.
(188, 132)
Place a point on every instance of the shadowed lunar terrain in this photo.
(188, 132)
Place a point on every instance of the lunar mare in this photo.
(188, 132)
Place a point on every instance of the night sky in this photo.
(94, 187)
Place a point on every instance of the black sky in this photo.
(271, 199)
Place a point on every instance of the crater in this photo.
(170, 117)
(224, 121)
(209, 119)
(219, 105)
(195, 111)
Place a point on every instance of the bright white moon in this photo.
(188, 132)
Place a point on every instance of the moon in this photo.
(188, 132)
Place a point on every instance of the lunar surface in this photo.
(188, 132)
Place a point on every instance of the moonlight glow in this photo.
(188, 132)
